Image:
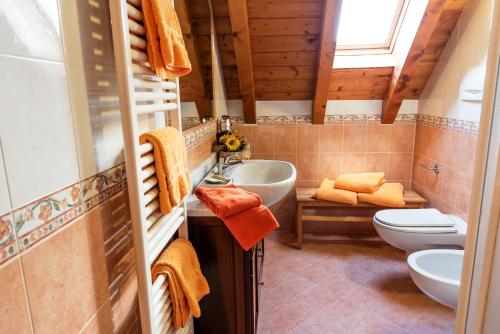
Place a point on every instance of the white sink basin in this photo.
(272, 180)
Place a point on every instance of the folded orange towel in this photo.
(360, 182)
(167, 54)
(327, 192)
(241, 211)
(228, 202)
(170, 164)
(186, 282)
(389, 195)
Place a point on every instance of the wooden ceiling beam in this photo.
(407, 68)
(195, 79)
(328, 42)
(238, 13)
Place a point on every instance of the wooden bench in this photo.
(306, 201)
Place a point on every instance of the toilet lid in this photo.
(414, 218)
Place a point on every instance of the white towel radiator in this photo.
(142, 93)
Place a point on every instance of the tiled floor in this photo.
(344, 288)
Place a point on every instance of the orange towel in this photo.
(327, 192)
(170, 164)
(389, 195)
(360, 182)
(167, 54)
(228, 202)
(186, 282)
(241, 211)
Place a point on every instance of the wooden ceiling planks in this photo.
(326, 53)
(243, 51)
(432, 35)
(196, 87)
(285, 42)
(359, 83)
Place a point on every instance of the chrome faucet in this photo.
(225, 163)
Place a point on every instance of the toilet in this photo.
(437, 273)
(419, 229)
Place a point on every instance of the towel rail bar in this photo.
(169, 233)
(144, 96)
(152, 108)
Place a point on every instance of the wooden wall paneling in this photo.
(284, 9)
(283, 96)
(243, 50)
(284, 72)
(285, 26)
(284, 43)
(359, 83)
(195, 79)
(329, 28)
(270, 86)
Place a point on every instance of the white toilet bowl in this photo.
(437, 273)
(418, 229)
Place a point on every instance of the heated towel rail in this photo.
(142, 94)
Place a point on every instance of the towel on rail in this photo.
(171, 165)
(327, 192)
(167, 53)
(360, 182)
(241, 211)
(186, 282)
(388, 194)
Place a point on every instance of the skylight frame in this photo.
(385, 48)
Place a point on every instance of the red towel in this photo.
(241, 211)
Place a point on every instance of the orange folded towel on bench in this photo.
(388, 194)
(186, 282)
(327, 192)
(360, 182)
(241, 211)
(167, 53)
(170, 164)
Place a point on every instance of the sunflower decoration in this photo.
(232, 142)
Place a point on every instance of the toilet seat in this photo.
(416, 229)
(408, 218)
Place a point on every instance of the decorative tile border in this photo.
(25, 226)
(449, 123)
(189, 122)
(197, 134)
(329, 119)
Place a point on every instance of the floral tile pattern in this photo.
(196, 135)
(329, 119)
(8, 245)
(450, 124)
(33, 222)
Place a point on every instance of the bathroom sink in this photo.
(272, 180)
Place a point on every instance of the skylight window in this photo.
(368, 24)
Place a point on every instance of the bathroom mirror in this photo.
(197, 95)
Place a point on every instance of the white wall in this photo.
(466, 50)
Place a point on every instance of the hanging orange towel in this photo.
(242, 213)
(327, 192)
(167, 54)
(228, 202)
(170, 164)
(360, 182)
(389, 195)
(186, 282)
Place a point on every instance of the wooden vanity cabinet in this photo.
(234, 277)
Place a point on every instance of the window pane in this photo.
(367, 22)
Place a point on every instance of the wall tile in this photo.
(13, 304)
(285, 139)
(331, 138)
(307, 167)
(378, 137)
(30, 28)
(400, 166)
(8, 241)
(4, 189)
(37, 132)
(308, 138)
(402, 137)
(263, 139)
(354, 138)
(101, 323)
(377, 162)
(353, 162)
(330, 165)
(58, 274)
